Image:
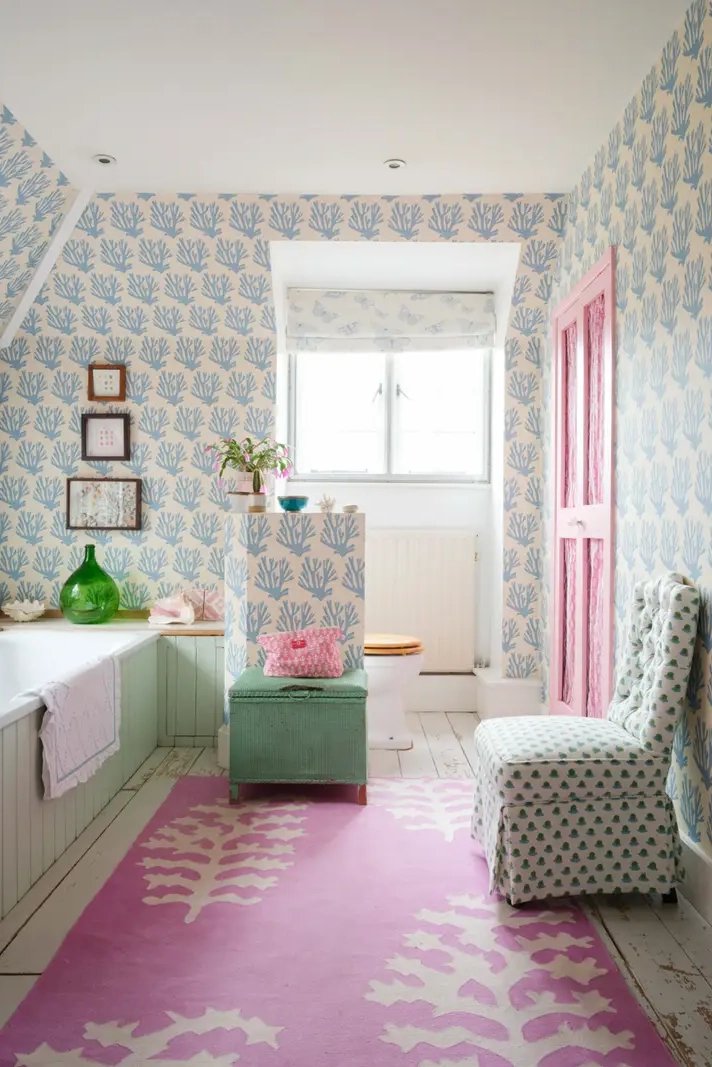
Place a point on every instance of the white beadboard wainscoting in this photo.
(35, 832)
(424, 582)
(191, 690)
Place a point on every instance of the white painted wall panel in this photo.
(424, 582)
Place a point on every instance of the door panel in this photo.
(595, 314)
(582, 641)
(568, 414)
(596, 698)
(569, 621)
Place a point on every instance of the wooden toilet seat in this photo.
(391, 645)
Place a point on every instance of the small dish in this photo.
(293, 503)
(24, 610)
(350, 509)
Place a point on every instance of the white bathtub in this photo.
(32, 655)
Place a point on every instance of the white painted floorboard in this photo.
(13, 990)
(417, 762)
(664, 952)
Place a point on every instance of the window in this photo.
(421, 416)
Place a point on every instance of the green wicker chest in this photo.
(298, 730)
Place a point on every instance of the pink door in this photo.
(581, 662)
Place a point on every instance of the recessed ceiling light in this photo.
(394, 164)
(104, 159)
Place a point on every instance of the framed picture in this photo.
(103, 503)
(106, 436)
(107, 381)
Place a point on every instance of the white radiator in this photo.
(424, 582)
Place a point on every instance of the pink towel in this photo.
(80, 728)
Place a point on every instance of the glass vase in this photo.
(89, 595)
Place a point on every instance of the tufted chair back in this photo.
(652, 679)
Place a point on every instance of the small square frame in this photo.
(123, 451)
(95, 394)
(105, 498)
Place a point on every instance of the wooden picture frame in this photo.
(104, 503)
(112, 441)
(106, 382)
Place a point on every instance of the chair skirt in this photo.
(567, 806)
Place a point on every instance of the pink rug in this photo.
(316, 933)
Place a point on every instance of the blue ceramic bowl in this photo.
(293, 503)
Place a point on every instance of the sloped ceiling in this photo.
(313, 96)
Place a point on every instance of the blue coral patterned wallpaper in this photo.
(648, 191)
(178, 287)
(34, 196)
(286, 572)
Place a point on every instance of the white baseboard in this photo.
(442, 692)
(697, 886)
(498, 696)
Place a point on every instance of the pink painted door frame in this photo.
(582, 634)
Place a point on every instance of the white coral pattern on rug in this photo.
(504, 1007)
(221, 855)
(149, 1047)
(439, 805)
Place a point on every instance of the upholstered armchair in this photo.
(569, 805)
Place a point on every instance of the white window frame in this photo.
(390, 424)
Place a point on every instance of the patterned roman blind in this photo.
(364, 320)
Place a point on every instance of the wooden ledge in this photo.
(124, 620)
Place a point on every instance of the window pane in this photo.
(440, 413)
(340, 412)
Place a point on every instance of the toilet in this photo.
(392, 662)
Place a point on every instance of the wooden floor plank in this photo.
(207, 764)
(383, 763)
(448, 756)
(177, 762)
(463, 725)
(691, 932)
(691, 1035)
(671, 981)
(590, 907)
(417, 762)
(13, 990)
(148, 768)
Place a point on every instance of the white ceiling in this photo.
(313, 95)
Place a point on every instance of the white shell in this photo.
(172, 611)
(24, 610)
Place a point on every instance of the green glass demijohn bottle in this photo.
(89, 594)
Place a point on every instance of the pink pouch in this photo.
(312, 653)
